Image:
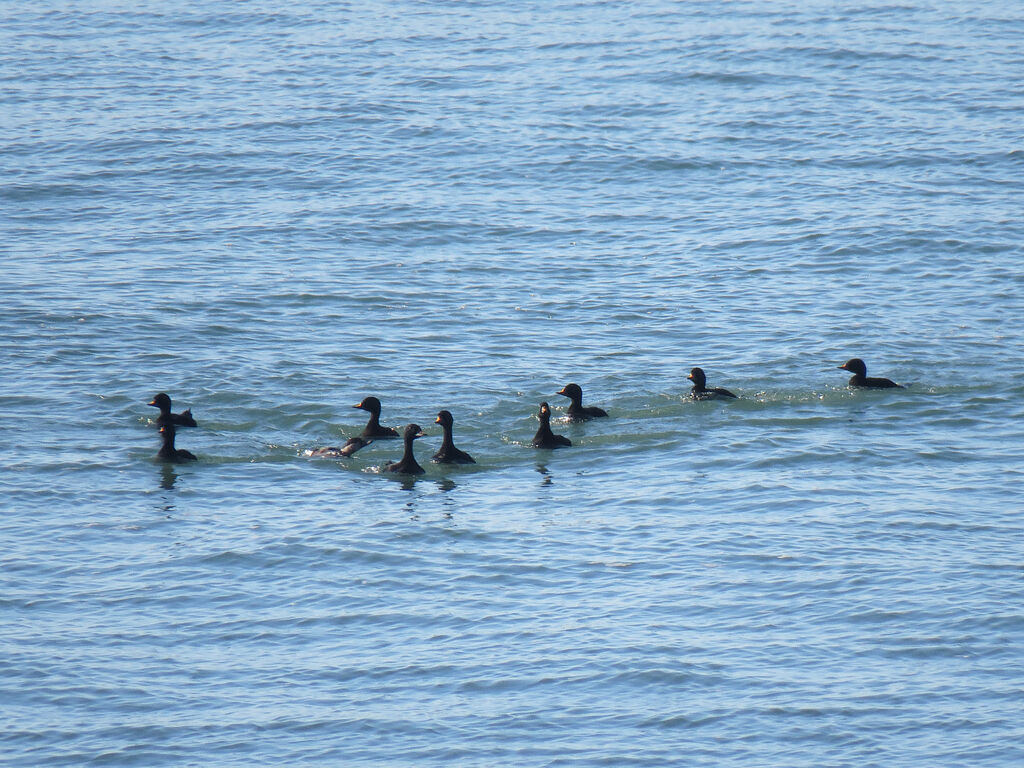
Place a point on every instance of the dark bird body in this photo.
(163, 402)
(545, 438)
(861, 379)
(167, 451)
(701, 391)
(373, 429)
(577, 411)
(351, 445)
(407, 465)
(449, 454)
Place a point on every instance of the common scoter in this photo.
(373, 429)
(167, 451)
(577, 411)
(449, 454)
(351, 445)
(701, 391)
(861, 379)
(163, 401)
(407, 465)
(545, 438)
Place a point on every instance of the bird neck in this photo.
(167, 449)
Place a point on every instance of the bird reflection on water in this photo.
(167, 476)
(543, 470)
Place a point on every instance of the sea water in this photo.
(270, 211)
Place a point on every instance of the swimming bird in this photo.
(351, 445)
(577, 411)
(163, 402)
(407, 465)
(372, 431)
(861, 379)
(373, 428)
(449, 454)
(167, 451)
(700, 389)
(545, 438)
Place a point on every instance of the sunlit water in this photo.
(271, 211)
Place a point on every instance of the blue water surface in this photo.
(272, 211)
